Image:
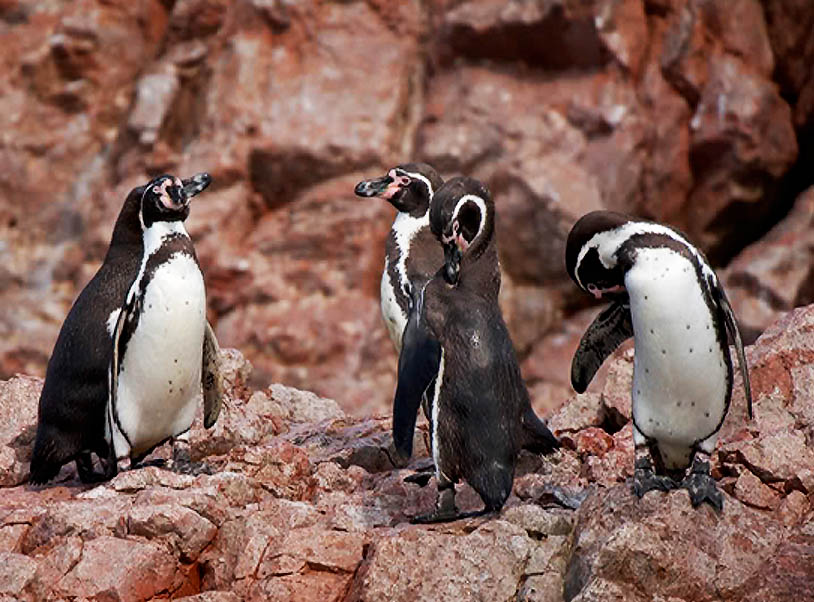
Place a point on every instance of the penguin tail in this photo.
(536, 436)
(46, 461)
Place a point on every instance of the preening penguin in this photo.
(135, 347)
(412, 255)
(481, 416)
(666, 296)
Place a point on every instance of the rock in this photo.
(771, 276)
(133, 570)
(661, 546)
(500, 545)
(19, 400)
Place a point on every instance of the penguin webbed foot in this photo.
(445, 509)
(89, 476)
(702, 487)
(645, 479)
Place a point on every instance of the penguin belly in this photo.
(160, 373)
(395, 318)
(680, 371)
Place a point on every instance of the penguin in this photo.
(665, 295)
(481, 415)
(412, 255)
(135, 347)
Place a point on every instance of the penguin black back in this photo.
(72, 403)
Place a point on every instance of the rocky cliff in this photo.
(697, 112)
(304, 503)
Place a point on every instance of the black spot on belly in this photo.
(651, 331)
(170, 382)
(187, 302)
(706, 414)
(645, 297)
(175, 360)
(692, 404)
(688, 326)
(647, 370)
(690, 349)
(638, 392)
(664, 351)
(678, 404)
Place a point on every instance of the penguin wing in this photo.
(418, 366)
(735, 333)
(610, 329)
(211, 379)
(125, 325)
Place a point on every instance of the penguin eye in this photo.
(591, 287)
(156, 189)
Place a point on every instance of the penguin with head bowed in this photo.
(481, 415)
(666, 296)
(135, 349)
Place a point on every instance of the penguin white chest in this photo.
(394, 317)
(160, 372)
(680, 370)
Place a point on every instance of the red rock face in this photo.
(685, 111)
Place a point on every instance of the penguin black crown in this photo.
(666, 296)
(137, 325)
(481, 415)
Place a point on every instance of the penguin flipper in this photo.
(211, 381)
(610, 329)
(418, 365)
(735, 333)
(538, 439)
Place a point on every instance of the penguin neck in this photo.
(481, 273)
(127, 233)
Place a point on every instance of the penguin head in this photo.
(408, 187)
(462, 217)
(591, 252)
(166, 198)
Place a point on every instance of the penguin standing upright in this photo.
(481, 415)
(412, 255)
(666, 296)
(135, 347)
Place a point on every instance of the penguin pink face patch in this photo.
(163, 194)
(397, 184)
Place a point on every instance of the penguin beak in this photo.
(375, 187)
(194, 186)
(452, 263)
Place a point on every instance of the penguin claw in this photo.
(645, 480)
(702, 488)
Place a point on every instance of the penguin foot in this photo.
(89, 476)
(645, 479)
(157, 462)
(702, 487)
(419, 478)
(439, 516)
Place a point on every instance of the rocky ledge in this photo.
(304, 503)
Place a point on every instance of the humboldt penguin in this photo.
(481, 416)
(666, 296)
(135, 347)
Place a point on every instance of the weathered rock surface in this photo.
(304, 503)
(688, 111)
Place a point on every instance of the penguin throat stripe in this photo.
(607, 243)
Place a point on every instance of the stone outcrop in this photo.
(687, 111)
(304, 503)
